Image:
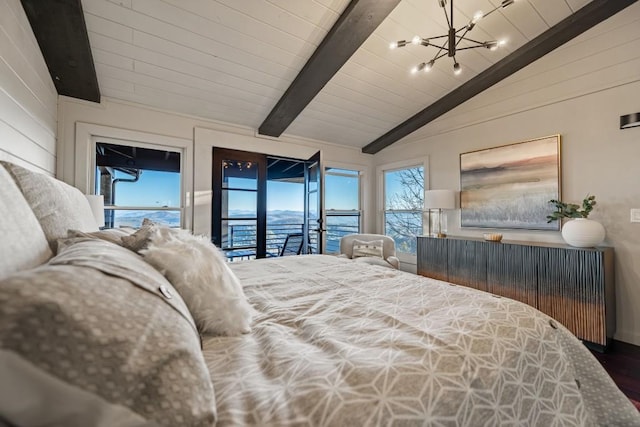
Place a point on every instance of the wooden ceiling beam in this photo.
(353, 27)
(572, 26)
(61, 33)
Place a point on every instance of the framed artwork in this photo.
(510, 186)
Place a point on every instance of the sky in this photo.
(163, 189)
(154, 188)
(392, 183)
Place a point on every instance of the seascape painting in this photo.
(510, 186)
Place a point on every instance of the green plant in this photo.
(571, 210)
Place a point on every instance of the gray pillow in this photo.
(23, 244)
(58, 206)
(100, 321)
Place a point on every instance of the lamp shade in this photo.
(96, 202)
(439, 199)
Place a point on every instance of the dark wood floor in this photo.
(622, 362)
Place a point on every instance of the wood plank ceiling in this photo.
(232, 60)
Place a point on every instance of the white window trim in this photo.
(387, 167)
(86, 136)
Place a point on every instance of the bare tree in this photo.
(404, 209)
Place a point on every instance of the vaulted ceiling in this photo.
(235, 60)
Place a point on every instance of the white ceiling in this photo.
(232, 60)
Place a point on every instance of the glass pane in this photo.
(133, 218)
(339, 226)
(153, 188)
(404, 189)
(313, 207)
(238, 234)
(283, 196)
(239, 204)
(239, 175)
(342, 192)
(403, 227)
(134, 176)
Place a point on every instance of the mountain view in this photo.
(279, 224)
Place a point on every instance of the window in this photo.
(342, 205)
(403, 202)
(139, 182)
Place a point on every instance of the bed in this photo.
(340, 343)
(94, 334)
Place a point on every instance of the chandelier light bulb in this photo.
(455, 39)
(399, 43)
(429, 65)
(419, 67)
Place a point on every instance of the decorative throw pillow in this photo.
(371, 248)
(199, 272)
(113, 235)
(141, 238)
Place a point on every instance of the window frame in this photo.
(423, 162)
(137, 144)
(338, 212)
(87, 135)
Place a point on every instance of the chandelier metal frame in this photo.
(453, 38)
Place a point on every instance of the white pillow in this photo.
(199, 272)
(371, 248)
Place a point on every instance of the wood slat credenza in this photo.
(573, 285)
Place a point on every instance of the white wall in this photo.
(578, 91)
(205, 134)
(28, 98)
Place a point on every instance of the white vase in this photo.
(583, 233)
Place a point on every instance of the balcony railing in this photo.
(241, 238)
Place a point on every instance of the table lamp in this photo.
(440, 199)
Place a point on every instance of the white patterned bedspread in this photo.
(338, 343)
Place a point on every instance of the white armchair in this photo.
(388, 259)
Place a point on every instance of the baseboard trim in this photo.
(627, 337)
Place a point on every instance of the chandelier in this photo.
(450, 46)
